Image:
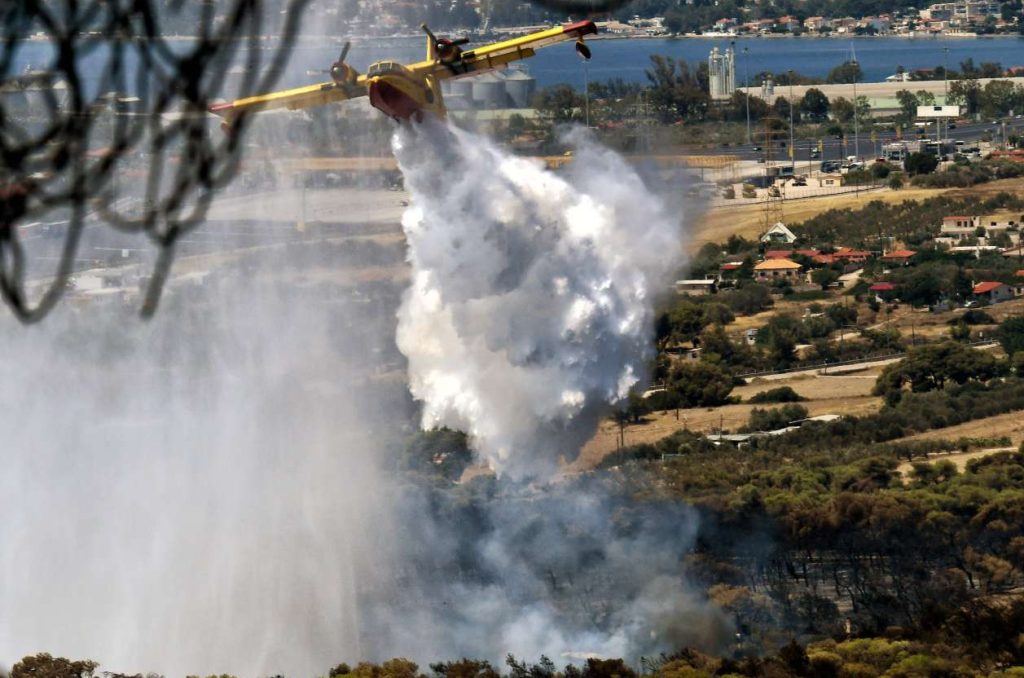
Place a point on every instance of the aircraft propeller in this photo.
(340, 71)
(440, 43)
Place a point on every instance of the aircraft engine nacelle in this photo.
(342, 73)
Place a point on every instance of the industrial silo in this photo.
(520, 87)
(489, 91)
(461, 89)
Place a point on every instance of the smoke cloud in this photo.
(193, 495)
(528, 316)
(529, 312)
(216, 490)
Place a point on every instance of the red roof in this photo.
(824, 259)
(807, 253)
(986, 287)
(882, 287)
(899, 254)
(846, 253)
(778, 254)
(731, 266)
(1020, 274)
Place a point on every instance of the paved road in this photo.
(836, 149)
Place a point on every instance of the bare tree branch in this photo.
(66, 151)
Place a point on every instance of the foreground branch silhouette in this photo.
(63, 147)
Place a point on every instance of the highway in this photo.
(837, 149)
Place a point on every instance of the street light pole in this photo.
(856, 126)
(746, 85)
(792, 150)
(945, 88)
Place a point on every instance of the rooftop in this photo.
(776, 265)
(986, 287)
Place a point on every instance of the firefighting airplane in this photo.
(407, 91)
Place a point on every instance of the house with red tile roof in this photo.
(851, 256)
(884, 290)
(993, 292)
(898, 257)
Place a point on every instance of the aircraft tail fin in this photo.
(431, 43)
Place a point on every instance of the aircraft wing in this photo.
(496, 55)
(293, 99)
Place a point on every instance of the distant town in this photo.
(968, 18)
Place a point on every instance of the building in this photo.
(511, 88)
(884, 290)
(779, 234)
(850, 279)
(961, 12)
(721, 73)
(777, 269)
(851, 256)
(690, 288)
(998, 224)
(788, 23)
(976, 250)
(898, 257)
(816, 23)
(993, 292)
(957, 228)
(725, 25)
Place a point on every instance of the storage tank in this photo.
(520, 87)
(462, 88)
(489, 91)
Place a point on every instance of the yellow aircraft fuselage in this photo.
(404, 91)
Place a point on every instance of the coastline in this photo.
(773, 36)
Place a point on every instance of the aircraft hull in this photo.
(399, 97)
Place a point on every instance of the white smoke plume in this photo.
(529, 312)
(214, 492)
(528, 317)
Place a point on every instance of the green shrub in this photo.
(783, 394)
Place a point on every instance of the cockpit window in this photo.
(384, 68)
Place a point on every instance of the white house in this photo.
(779, 234)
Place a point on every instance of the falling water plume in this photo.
(530, 309)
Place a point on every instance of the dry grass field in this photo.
(1010, 424)
(959, 459)
(847, 394)
(718, 224)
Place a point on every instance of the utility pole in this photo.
(746, 88)
(945, 88)
(792, 150)
(856, 115)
